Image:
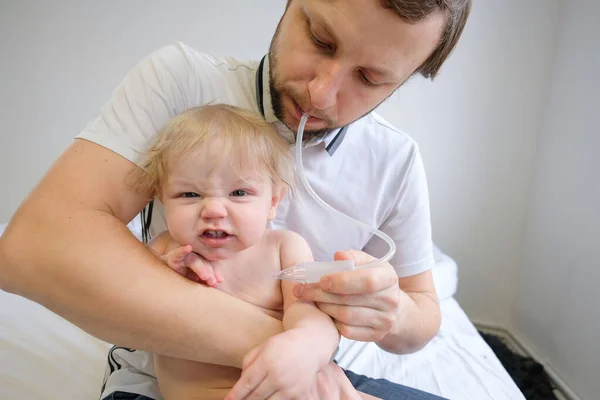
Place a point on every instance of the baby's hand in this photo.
(283, 367)
(186, 263)
(175, 259)
(203, 270)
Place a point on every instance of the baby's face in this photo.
(217, 209)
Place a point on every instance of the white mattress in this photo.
(42, 356)
(456, 364)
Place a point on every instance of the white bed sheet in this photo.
(457, 364)
(44, 357)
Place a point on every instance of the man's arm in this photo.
(68, 248)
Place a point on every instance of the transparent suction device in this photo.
(312, 272)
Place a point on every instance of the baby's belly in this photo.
(186, 380)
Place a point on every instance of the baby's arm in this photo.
(301, 314)
(286, 365)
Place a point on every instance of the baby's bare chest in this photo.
(251, 279)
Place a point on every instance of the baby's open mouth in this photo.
(215, 234)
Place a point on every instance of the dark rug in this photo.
(528, 374)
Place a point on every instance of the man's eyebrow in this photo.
(384, 73)
(315, 21)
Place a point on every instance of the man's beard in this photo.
(277, 89)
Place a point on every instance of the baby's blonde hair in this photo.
(237, 132)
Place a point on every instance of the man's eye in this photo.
(239, 193)
(365, 80)
(189, 195)
(320, 43)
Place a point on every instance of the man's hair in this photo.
(455, 13)
(237, 134)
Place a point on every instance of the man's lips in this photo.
(300, 112)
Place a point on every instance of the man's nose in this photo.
(324, 87)
(213, 208)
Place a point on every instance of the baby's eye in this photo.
(239, 193)
(189, 195)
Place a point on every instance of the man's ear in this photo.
(278, 193)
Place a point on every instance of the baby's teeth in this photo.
(216, 234)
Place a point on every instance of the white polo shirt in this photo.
(370, 171)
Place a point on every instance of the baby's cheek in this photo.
(254, 233)
(181, 225)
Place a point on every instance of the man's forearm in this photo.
(417, 322)
(87, 267)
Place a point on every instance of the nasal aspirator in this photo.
(311, 272)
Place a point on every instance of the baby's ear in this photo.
(278, 192)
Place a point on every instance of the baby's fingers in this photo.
(178, 254)
(218, 273)
(206, 273)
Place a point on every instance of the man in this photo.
(336, 61)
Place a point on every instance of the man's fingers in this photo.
(359, 257)
(384, 300)
(359, 333)
(360, 281)
(313, 292)
(359, 316)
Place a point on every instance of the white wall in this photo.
(477, 123)
(60, 61)
(558, 298)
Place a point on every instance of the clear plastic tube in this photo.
(313, 272)
(300, 171)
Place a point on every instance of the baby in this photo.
(220, 172)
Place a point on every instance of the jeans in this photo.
(381, 388)
(126, 396)
(387, 390)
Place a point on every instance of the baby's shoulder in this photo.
(283, 237)
(287, 242)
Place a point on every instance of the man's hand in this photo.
(373, 304)
(364, 303)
